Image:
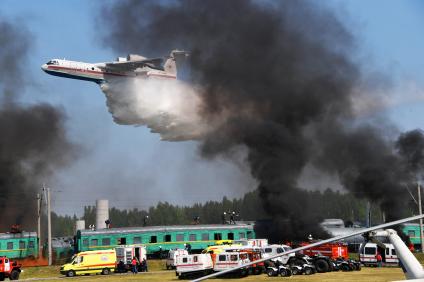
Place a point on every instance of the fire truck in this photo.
(331, 250)
(9, 269)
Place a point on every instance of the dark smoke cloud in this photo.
(283, 75)
(33, 141)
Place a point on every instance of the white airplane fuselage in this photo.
(96, 72)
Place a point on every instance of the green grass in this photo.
(366, 274)
(157, 272)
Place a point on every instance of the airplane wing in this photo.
(338, 238)
(133, 65)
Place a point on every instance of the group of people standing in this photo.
(136, 265)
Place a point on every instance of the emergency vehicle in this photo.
(91, 262)
(172, 257)
(368, 254)
(125, 254)
(188, 266)
(9, 269)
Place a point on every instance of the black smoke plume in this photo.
(282, 76)
(33, 140)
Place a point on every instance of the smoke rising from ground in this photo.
(33, 141)
(282, 80)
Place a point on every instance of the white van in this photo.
(193, 265)
(172, 257)
(368, 253)
(272, 250)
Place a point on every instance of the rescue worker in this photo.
(144, 265)
(232, 221)
(224, 218)
(379, 259)
(134, 265)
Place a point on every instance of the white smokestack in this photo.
(102, 213)
(79, 225)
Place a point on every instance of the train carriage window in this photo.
(10, 245)
(222, 258)
(249, 235)
(230, 236)
(393, 252)
(22, 244)
(85, 242)
(205, 237)
(217, 236)
(94, 242)
(242, 235)
(137, 240)
(192, 237)
(122, 241)
(180, 237)
(411, 233)
(153, 239)
(31, 244)
(167, 238)
(106, 242)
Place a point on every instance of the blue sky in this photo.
(129, 165)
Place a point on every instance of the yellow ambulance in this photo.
(91, 262)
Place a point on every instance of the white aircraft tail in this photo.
(409, 263)
(174, 60)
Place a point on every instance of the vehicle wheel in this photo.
(1, 277)
(308, 271)
(284, 273)
(270, 272)
(106, 271)
(295, 271)
(345, 267)
(70, 273)
(321, 265)
(243, 273)
(14, 275)
(358, 267)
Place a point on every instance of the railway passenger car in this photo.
(412, 230)
(160, 239)
(19, 245)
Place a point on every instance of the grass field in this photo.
(157, 272)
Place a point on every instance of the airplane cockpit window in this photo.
(53, 62)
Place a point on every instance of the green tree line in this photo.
(327, 204)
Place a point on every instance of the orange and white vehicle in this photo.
(9, 269)
(228, 260)
(193, 265)
(171, 260)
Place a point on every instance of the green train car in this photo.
(19, 245)
(161, 239)
(412, 230)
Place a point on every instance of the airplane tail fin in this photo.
(174, 60)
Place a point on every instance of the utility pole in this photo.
(39, 222)
(49, 226)
(421, 220)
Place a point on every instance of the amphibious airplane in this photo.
(410, 265)
(131, 66)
